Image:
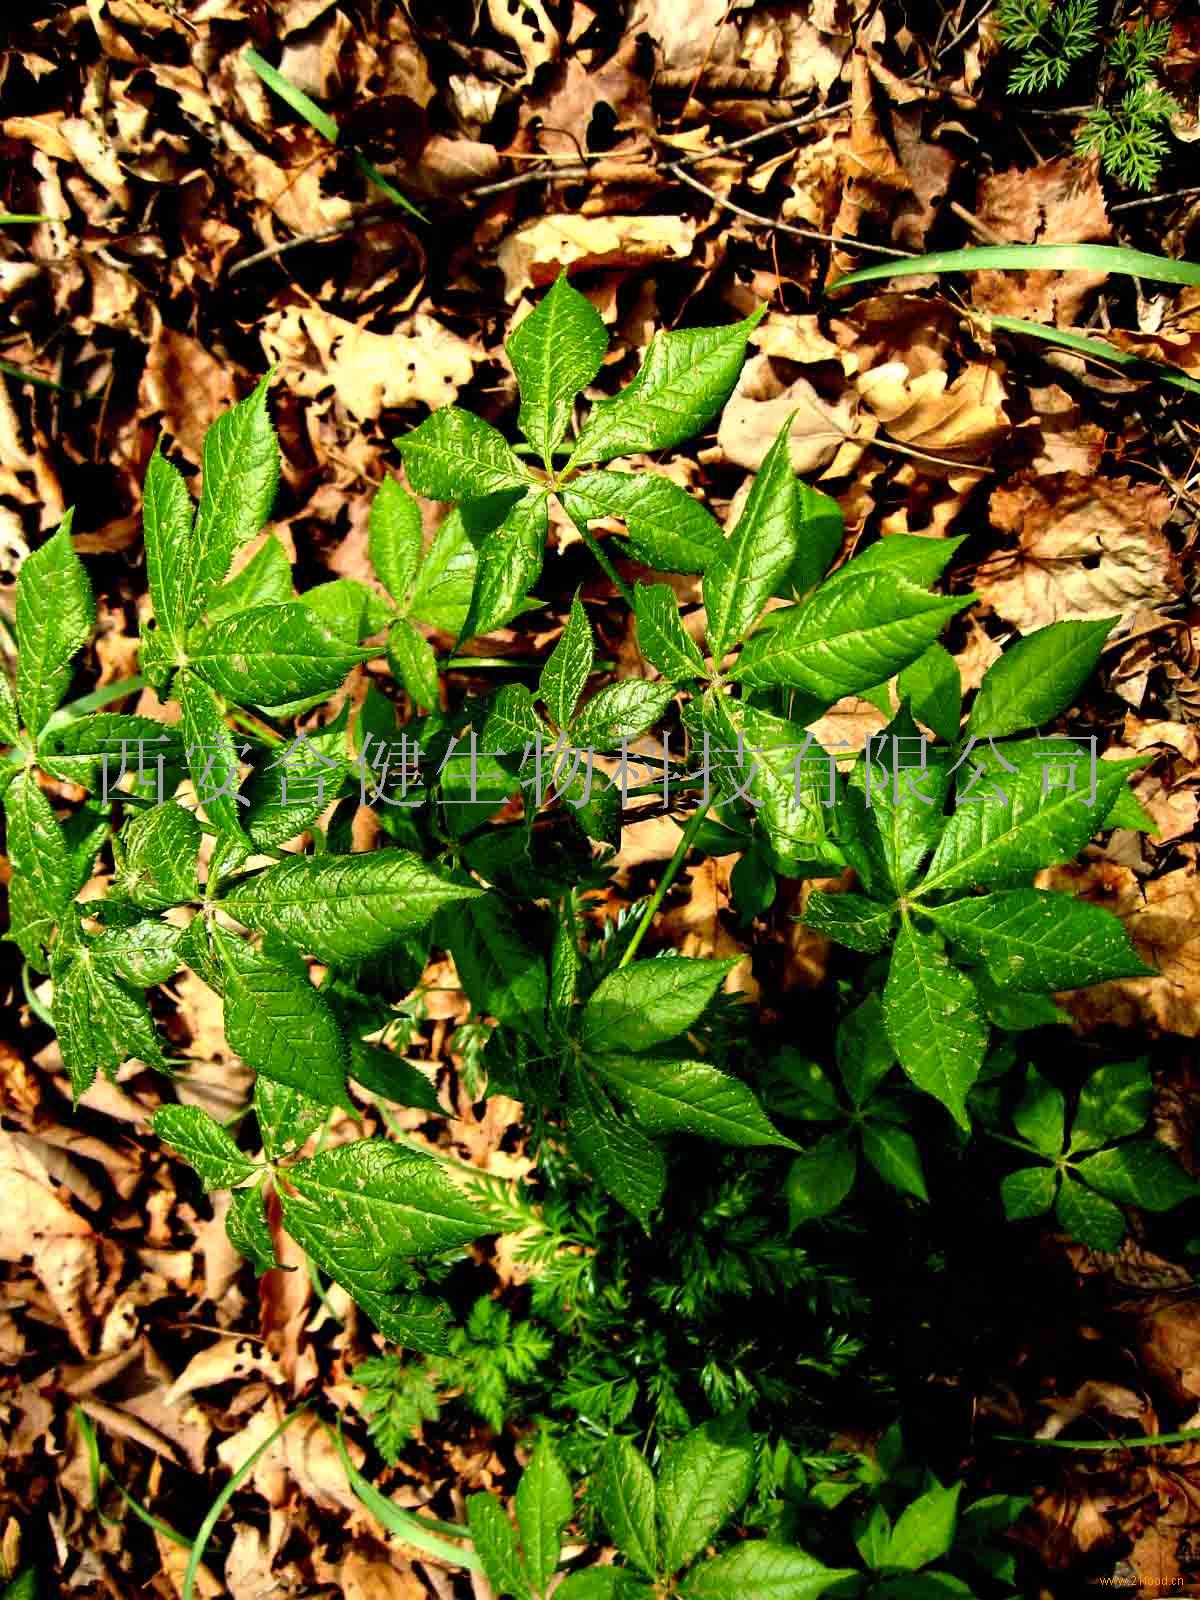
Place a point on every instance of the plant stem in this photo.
(1139, 1442)
(614, 577)
(665, 882)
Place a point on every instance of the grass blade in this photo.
(96, 1472)
(20, 374)
(1099, 349)
(1032, 258)
(373, 175)
(296, 98)
(7, 218)
(414, 1530)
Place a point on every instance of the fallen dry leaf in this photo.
(535, 254)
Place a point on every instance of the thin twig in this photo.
(1155, 199)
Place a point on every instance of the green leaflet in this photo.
(37, 847)
(240, 473)
(820, 1178)
(270, 655)
(924, 1530)
(445, 582)
(286, 1116)
(705, 1478)
(394, 539)
(626, 1498)
(762, 548)
(348, 609)
(455, 455)
(1087, 1216)
(566, 673)
(613, 1151)
(688, 1097)
(666, 527)
(280, 1025)
(1038, 677)
(683, 382)
(265, 580)
(495, 1543)
(388, 1076)
(211, 754)
(1030, 1193)
(100, 1023)
(822, 529)
(933, 1019)
(143, 954)
(544, 1504)
(411, 658)
(933, 687)
(248, 1230)
(790, 789)
(662, 638)
(10, 723)
(1113, 1103)
(502, 971)
(510, 561)
(902, 810)
(1140, 1172)
(850, 636)
(649, 1002)
(896, 1157)
(851, 919)
(204, 1144)
(1037, 940)
(556, 351)
(512, 721)
(766, 1571)
(344, 909)
(623, 710)
(167, 513)
(54, 615)
(156, 866)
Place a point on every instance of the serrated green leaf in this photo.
(289, 793)
(509, 563)
(685, 379)
(1028, 1192)
(10, 722)
(603, 1583)
(688, 1097)
(240, 473)
(1140, 1172)
(36, 846)
(167, 514)
(54, 617)
(1015, 1009)
(204, 1144)
(544, 1505)
(851, 919)
(1038, 677)
(903, 805)
(411, 658)
(556, 351)
(666, 527)
(286, 1116)
(351, 611)
(344, 909)
(756, 556)
(822, 529)
(616, 1153)
(1113, 1103)
(662, 638)
(864, 1052)
(565, 675)
(994, 843)
(495, 1542)
(1040, 1114)
(211, 754)
(874, 1536)
(933, 1019)
(649, 1002)
(247, 1228)
(848, 637)
(445, 582)
(502, 971)
(455, 455)
(270, 655)
(512, 722)
(933, 687)
(280, 1025)
(265, 580)
(395, 539)
(765, 1571)
(924, 1530)
(1039, 940)
(388, 1076)
(623, 710)
(911, 555)
(820, 1178)
(76, 752)
(1088, 1217)
(564, 966)
(143, 954)
(100, 1023)
(789, 785)
(626, 1499)
(159, 850)
(896, 1157)
(705, 1478)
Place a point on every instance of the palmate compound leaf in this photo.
(672, 1096)
(1037, 677)
(556, 351)
(565, 675)
(851, 635)
(363, 1211)
(204, 1144)
(666, 527)
(934, 1019)
(683, 382)
(766, 1571)
(344, 909)
(626, 1497)
(645, 1004)
(1037, 940)
(544, 1504)
(705, 1478)
(757, 555)
(239, 476)
(615, 1152)
(54, 616)
(271, 655)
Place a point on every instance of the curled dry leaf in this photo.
(761, 404)
(536, 253)
(1086, 548)
(527, 23)
(964, 418)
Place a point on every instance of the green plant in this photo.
(1051, 38)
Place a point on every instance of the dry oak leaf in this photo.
(1060, 202)
(929, 413)
(536, 253)
(187, 385)
(369, 372)
(1161, 916)
(527, 23)
(1181, 350)
(685, 35)
(821, 434)
(1087, 548)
